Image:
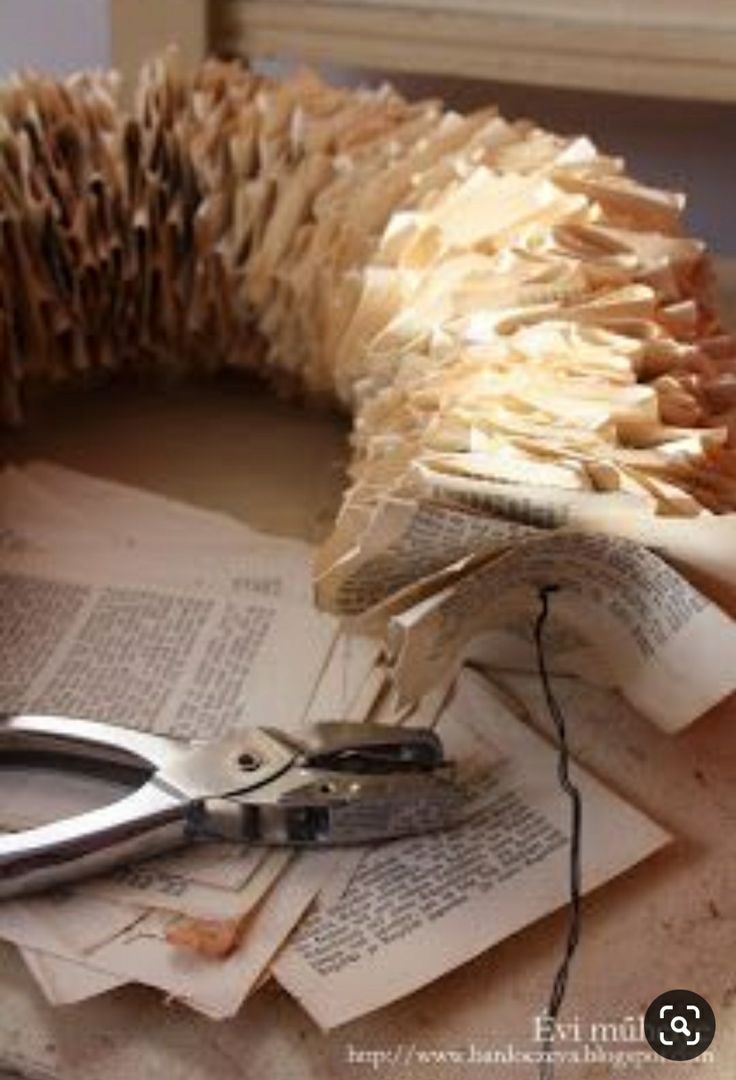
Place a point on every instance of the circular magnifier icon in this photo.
(679, 1025)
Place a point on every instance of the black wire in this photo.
(559, 986)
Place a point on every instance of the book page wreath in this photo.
(524, 337)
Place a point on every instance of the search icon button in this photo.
(679, 1025)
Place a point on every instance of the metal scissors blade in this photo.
(332, 783)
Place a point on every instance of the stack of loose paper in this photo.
(134, 610)
(129, 608)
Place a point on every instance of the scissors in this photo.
(333, 783)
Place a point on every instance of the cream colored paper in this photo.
(134, 948)
(416, 908)
(704, 547)
(65, 982)
(350, 682)
(54, 507)
(181, 660)
(668, 649)
(403, 542)
(210, 881)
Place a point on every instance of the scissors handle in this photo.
(150, 820)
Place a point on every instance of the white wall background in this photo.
(53, 35)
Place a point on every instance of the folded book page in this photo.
(404, 541)
(670, 651)
(703, 547)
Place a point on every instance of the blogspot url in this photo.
(411, 1055)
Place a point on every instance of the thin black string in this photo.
(559, 986)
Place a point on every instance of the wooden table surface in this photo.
(668, 923)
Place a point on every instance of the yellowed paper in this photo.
(415, 909)
(667, 649)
